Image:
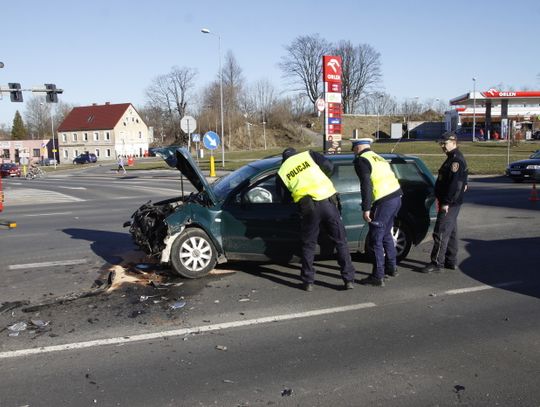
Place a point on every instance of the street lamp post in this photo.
(53, 143)
(264, 132)
(378, 98)
(474, 111)
(207, 31)
(52, 135)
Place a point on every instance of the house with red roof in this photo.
(106, 130)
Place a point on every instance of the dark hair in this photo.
(288, 152)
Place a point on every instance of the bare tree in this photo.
(264, 97)
(37, 117)
(302, 65)
(170, 93)
(361, 73)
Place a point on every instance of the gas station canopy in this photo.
(496, 97)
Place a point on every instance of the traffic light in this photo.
(14, 92)
(52, 93)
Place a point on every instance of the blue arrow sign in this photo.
(211, 140)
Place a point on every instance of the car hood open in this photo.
(179, 158)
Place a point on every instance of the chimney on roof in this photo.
(94, 104)
(107, 103)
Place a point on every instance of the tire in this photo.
(29, 175)
(193, 255)
(402, 240)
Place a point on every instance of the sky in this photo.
(109, 51)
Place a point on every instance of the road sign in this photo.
(188, 124)
(320, 104)
(196, 137)
(211, 140)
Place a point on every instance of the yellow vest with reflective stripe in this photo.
(382, 177)
(302, 176)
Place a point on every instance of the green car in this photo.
(242, 217)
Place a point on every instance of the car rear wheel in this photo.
(193, 254)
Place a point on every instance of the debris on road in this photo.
(286, 392)
(9, 305)
(17, 328)
(221, 347)
(177, 305)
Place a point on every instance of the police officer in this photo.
(381, 200)
(449, 188)
(306, 176)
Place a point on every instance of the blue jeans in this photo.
(380, 235)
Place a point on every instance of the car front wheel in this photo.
(193, 254)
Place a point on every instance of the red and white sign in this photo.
(334, 87)
(494, 93)
(332, 68)
(320, 104)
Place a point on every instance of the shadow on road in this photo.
(105, 244)
(490, 263)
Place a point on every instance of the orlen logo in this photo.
(495, 93)
(334, 64)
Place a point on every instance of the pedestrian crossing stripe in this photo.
(29, 196)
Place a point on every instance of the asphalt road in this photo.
(248, 336)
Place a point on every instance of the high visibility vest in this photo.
(383, 179)
(302, 176)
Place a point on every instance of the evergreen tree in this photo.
(18, 132)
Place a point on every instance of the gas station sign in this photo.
(332, 95)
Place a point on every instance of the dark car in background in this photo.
(525, 169)
(85, 158)
(242, 217)
(10, 170)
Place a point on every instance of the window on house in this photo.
(107, 135)
(36, 152)
(74, 137)
(97, 152)
(5, 153)
(85, 137)
(140, 134)
(64, 137)
(96, 135)
(65, 153)
(108, 152)
(75, 153)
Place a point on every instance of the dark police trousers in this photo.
(326, 213)
(380, 235)
(445, 244)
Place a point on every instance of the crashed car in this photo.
(241, 216)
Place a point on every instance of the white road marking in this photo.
(72, 187)
(216, 327)
(48, 214)
(184, 331)
(46, 264)
(29, 196)
(480, 288)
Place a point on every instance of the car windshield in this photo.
(536, 154)
(226, 184)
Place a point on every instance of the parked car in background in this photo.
(49, 161)
(536, 135)
(10, 170)
(242, 216)
(525, 169)
(85, 158)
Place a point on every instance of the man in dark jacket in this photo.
(306, 176)
(381, 200)
(449, 188)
